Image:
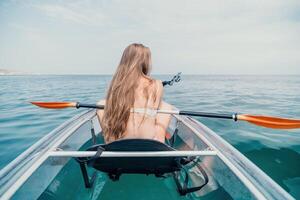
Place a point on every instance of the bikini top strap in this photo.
(148, 111)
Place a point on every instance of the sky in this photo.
(194, 37)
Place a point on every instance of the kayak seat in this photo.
(116, 166)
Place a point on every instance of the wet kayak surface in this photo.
(276, 152)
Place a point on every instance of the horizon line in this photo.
(156, 74)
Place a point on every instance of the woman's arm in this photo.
(100, 112)
(162, 120)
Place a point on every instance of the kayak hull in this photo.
(39, 174)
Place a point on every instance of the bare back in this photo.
(144, 124)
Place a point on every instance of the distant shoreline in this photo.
(259, 75)
(4, 72)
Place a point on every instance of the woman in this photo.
(132, 99)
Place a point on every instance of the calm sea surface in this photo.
(277, 152)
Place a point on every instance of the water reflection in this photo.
(280, 164)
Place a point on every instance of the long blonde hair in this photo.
(135, 62)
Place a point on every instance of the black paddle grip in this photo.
(204, 114)
(84, 105)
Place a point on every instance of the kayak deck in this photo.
(46, 169)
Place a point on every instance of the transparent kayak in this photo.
(47, 170)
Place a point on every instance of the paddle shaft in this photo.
(210, 115)
(176, 112)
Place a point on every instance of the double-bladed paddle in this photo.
(259, 120)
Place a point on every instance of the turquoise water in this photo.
(277, 152)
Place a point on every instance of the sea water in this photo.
(276, 152)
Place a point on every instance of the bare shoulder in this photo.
(157, 92)
(159, 87)
(159, 83)
(154, 88)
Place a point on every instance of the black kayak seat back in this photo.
(116, 166)
(136, 165)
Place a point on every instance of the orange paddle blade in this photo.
(55, 105)
(271, 122)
